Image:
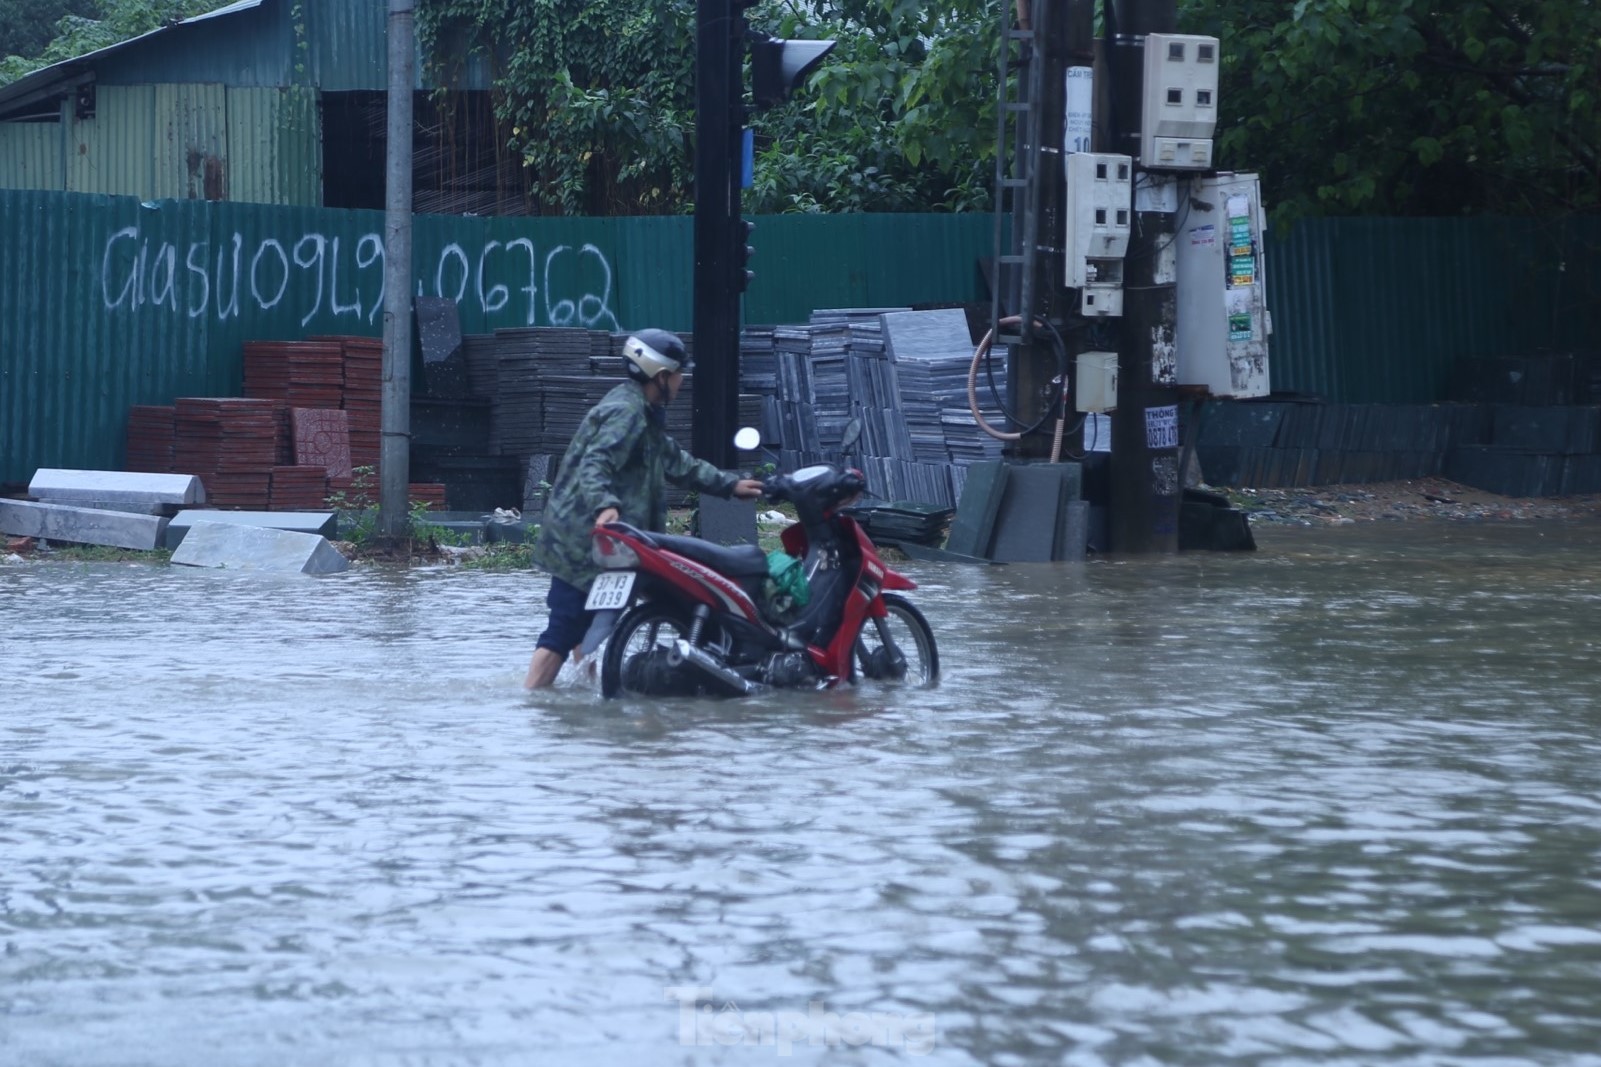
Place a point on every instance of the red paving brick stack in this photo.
(150, 438)
(310, 419)
(231, 444)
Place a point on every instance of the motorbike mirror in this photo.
(853, 433)
(748, 439)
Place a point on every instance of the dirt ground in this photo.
(1421, 498)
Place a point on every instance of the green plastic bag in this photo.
(786, 589)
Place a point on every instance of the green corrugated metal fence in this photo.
(109, 301)
(1370, 310)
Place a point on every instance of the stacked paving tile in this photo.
(482, 353)
(902, 373)
(243, 448)
(324, 374)
(362, 398)
(298, 488)
(231, 444)
(151, 437)
(541, 382)
(801, 385)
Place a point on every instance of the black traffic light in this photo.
(742, 253)
(777, 66)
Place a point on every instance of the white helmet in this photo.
(649, 352)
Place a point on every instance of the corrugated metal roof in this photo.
(338, 45)
(67, 69)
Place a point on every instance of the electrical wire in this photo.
(1057, 407)
(1178, 225)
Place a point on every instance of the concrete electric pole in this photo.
(394, 511)
(1146, 487)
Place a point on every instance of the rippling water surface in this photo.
(1336, 802)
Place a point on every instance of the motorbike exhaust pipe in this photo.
(684, 652)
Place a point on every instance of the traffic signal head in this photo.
(742, 253)
(777, 66)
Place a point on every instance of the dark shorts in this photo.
(569, 622)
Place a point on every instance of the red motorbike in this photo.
(696, 617)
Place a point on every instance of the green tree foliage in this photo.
(596, 97)
(108, 22)
(899, 117)
(1411, 107)
(27, 26)
(1344, 106)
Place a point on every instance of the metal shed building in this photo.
(259, 101)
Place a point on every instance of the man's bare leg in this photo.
(542, 669)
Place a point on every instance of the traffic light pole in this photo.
(719, 108)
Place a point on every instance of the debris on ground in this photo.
(1399, 501)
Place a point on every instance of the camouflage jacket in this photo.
(619, 458)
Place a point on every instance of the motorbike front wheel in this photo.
(899, 648)
(635, 661)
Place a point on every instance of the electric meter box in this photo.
(1100, 204)
(1179, 115)
(1221, 333)
(1095, 384)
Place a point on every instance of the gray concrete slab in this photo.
(1073, 531)
(81, 487)
(255, 548)
(1025, 527)
(937, 334)
(323, 523)
(84, 526)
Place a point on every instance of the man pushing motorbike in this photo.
(614, 470)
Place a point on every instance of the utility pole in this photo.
(719, 110)
(394, 477)
(1145, 481)
(1053, 33)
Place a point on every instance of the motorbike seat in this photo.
(736, 561)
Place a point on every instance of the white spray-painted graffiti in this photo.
(328, 279)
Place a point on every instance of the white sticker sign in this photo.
(1162, 427)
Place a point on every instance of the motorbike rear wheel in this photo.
(899, 648)
(635, 661)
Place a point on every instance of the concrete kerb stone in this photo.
(84, 526)
(124, 490)
(255, 548)
(323, 523)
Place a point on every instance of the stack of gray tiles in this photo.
(902, 373)
(792, 347)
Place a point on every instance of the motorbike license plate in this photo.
(610, 590)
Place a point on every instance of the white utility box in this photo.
(1095, 385)
(1100, 204)
(1223, 319)
(1179, 115)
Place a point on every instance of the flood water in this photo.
(1334, 802)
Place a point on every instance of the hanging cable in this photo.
(1057, 406)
